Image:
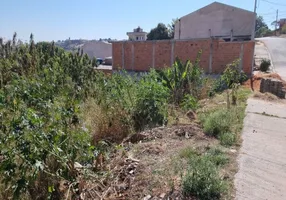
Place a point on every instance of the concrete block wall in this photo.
(216, 54)
(273, 86)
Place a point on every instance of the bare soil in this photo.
(254, 82)
(150, 167)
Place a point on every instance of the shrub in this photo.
(227, 139)
(202, 180)
(264, 65)
(150, 108)
(189, 103)
(217, 122)
(217, 156)
(230, 77)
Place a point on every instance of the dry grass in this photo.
(109, 124)
(162, 154)
(266, 96)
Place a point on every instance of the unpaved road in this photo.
(262, 158)
(277, 50)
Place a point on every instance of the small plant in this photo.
(189, 103)
(217, 122)
(232, 76)
(203, 180)
(217, 156)
(265, 64)
(188, 153)
(227, 139)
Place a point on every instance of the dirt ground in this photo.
(149, 166)
(254, 83)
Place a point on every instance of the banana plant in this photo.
(182, 78)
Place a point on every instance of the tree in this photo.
(261, 27)
(275, 24)
(159, 33)
(171, 28)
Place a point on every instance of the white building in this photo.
(98, 49)
(137, 35)
(216, 20)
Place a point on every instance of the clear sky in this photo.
(93, 19)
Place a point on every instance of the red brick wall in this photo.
(163, 54)
(143, 55)
(223, 53)
(128, 56)
(117, 55)
(188, 50)
(248, 53)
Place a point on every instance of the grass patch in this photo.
(227, 139)
(188, 153)
(217, 122)
(222, 123)
(202, 179)
(217, 156)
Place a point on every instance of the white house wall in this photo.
(218, 18)
(97, 49)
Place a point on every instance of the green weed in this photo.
(227, 139)
(217, 122)
(203, 180)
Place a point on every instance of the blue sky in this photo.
(93, 19)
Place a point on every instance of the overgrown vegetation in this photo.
(55, 109)
(58, 112)
(225, 123)
(265, 64)
(230, 79)
(183, 80)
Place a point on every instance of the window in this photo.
(136, 38)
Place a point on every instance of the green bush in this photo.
(227, 139)
(150, 108)
(217, 122)
(217, 156)
(264, 65)
(182, 79)
(235, 76)
(202, 180)
(189, 103)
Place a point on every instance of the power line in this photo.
(274, 3)
(270, 14)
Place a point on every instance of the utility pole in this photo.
(276, 22)
(253, 34)
(253, 39)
